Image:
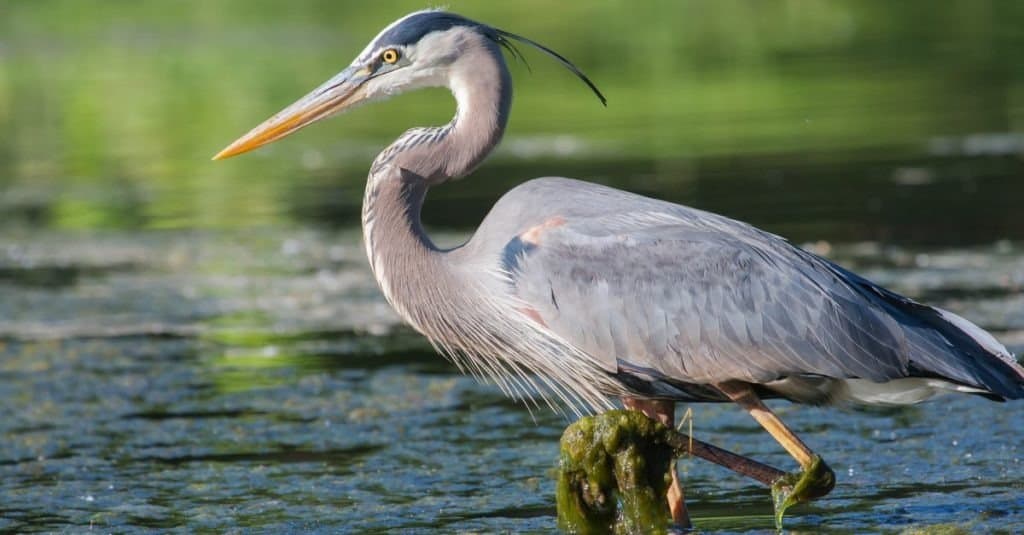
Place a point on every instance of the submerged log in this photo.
(614, 472)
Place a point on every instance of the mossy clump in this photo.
(814, 482)
(614, 473)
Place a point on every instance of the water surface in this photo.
(201, 347)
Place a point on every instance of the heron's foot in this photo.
(813, 482)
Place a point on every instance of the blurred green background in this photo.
(810, 117)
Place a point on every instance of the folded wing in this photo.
(693, 298)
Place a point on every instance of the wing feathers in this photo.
(703, 301)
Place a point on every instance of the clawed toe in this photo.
(814, 481)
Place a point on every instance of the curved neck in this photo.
(482, 87)
(400, 252)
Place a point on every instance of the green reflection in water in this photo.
(113, 108)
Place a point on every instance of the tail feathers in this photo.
(943, 345)
(992, 364)
(982, 338)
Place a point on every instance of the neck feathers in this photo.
(483, 90)
(457, 309)
(482, 87)
(398, 248)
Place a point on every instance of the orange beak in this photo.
(342, 92)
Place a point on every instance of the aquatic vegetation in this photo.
(801, 487)
(614, 473)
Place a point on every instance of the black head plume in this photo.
(503, 38)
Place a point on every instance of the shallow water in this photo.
(201, 347)
(147, 384)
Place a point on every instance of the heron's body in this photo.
(584, 291)
(671, 299)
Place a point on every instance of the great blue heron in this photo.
(580, 291)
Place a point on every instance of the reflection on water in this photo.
(199, 345)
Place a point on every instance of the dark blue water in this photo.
(148, 384)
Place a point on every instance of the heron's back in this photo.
(671, 298)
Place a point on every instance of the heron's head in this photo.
(416, 51)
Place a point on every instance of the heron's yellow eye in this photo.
(389, 56)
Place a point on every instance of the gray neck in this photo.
(401, 254)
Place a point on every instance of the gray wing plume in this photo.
(944, 345)
(671, 294)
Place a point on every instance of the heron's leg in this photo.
(744, 396)
(664, 412)
(818, 478)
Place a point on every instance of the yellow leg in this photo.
(745, 397)
(816, 479)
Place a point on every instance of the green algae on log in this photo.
(614, 474)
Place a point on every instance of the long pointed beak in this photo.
(335, 95)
